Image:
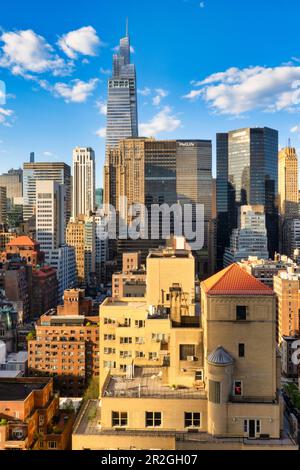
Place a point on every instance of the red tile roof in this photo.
(234, 280)
(22, 241)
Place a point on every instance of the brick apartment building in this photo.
(30, 418)
(67, 345)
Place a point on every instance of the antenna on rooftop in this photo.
(127, 27)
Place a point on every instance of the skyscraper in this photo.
(50, 232)
(50, 215)
(42, 171)
(250, 238)
(247, 162)
(195, 186)
(288, 193)
(122, 115)
(84, 181)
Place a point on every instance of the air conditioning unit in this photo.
(191, 359)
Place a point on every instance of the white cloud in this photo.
(81, 41)
(202, 5)
(101, 133)
(102, 107)
(160, 94)
(76, 91)
(237, 91)
(144, 91)
(105, 71)
(117, 48)
(6, 116)
(25, 52)
(164, 121)
(295, 129)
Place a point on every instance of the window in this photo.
(41, 420)
(241, 313)
(214, 392)
(187, 351)
(119, 420)
(140, 324)
(153, 356)
(126, 340)
(52, 445)
(241, 350)
(238, 388)
(139, 340)
(192, 420)
(199, 376)
(153, 419)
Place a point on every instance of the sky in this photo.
(202, 67)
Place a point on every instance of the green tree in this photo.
(92, 392)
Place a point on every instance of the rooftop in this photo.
(128, 303)
(147, 383)
(169, 253)
(22, 241)
(88, 423)
(20, 389)
(234, 280)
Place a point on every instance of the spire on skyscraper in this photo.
(127, 27)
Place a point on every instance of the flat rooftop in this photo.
(130, 303)
(147, 383)
(88, 423)
(19, 390)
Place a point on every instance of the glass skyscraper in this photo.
(122, 115)
(247, 174)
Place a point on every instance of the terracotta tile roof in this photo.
(22, 241)
(234, 280)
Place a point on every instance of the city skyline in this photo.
(49, 72)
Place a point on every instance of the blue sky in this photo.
(202, 67)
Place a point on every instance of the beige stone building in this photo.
(172, 377)
(288, 188)
(287, 289)
(131, 281)
(81, 235)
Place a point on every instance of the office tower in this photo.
(32, 157)
(122, 115)
(101, 247)
(222, 376)
(250, 238)
(50, 232)
(156, 172)
(247, 167)
(222, 196)
(13, 182)
(84, 177)
(63, 260)
(194, 186)
(50, 215)
(3, 206)
(59, 172)
(81, 235)
(70, 334)
(125, 176)
(288, 193)
(99, 198)
(286, 287)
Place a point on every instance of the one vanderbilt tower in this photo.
(122, 116)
